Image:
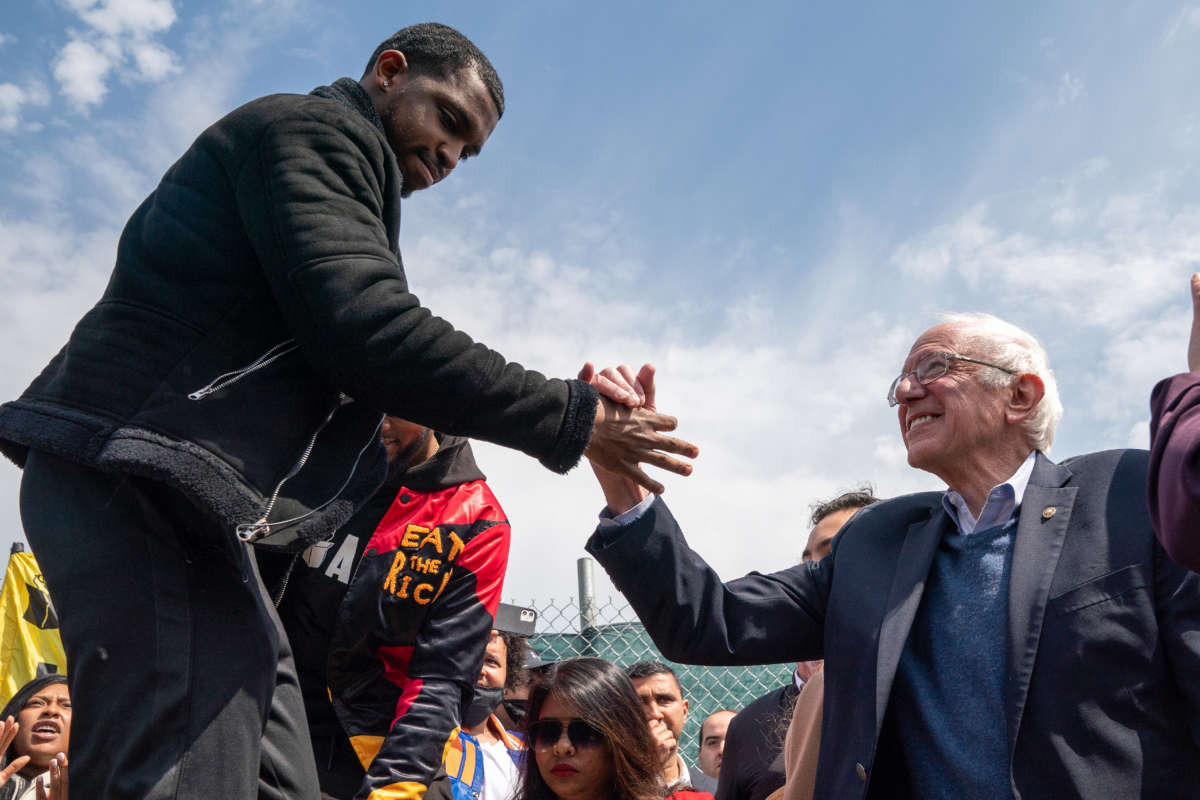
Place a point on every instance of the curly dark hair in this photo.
(514, 661)
(432, 48)
(603, 695)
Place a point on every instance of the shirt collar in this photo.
(1001, 502)
(685, 776)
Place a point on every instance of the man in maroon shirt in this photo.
(1174, 475)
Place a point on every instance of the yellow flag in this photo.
(30, 644)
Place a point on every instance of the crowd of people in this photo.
(278, 568)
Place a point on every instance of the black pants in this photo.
(181, 677)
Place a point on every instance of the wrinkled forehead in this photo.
(943, 338)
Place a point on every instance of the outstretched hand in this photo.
(8, 732)
(58, 780)
(1194, 341)
(626, 436)
(620, 385)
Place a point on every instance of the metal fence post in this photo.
(587, 604)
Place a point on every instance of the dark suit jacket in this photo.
(752, 764)
(1103, 692)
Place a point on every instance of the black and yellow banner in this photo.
(30, 644)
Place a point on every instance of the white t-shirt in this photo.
(500, 774)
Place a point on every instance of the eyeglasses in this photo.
(934, 366)
(545, 733)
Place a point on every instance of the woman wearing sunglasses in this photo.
(589, 737)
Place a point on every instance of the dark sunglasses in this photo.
(545, 733)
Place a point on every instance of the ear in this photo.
(391, 68)
(1024, 395)
(686, 704)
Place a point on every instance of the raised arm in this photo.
(1174, 474)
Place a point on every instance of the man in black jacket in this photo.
(227, 389)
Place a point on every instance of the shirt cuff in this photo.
(628, 517)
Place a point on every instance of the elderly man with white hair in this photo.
(1021, 634)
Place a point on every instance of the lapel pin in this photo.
(1048, 512)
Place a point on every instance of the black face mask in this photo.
(484, 701)
(516, 710)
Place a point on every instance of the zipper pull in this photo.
(253, 531)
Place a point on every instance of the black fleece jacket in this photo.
(258, 323)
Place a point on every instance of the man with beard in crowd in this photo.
(389, 620)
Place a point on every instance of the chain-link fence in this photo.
(610, 630)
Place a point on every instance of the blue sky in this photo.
(770, 204)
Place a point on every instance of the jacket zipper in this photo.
(253, 531)
(233, 376)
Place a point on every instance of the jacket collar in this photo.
(1041, 531)
(451, 465)
(349, 93)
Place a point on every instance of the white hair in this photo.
(990, 338)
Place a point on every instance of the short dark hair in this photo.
(644, 669)
(855, 498)
(432, 48)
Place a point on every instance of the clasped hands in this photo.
(628, 431)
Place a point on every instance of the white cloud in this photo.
(118, 39)
(14, 98)
(1185, 22)
(154, 62)
(6, 38)
(1070, 89)
(138, 18)
(82, 71)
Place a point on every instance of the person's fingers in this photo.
(645, 379)
(587, 371)
(1196, 290)
(631, 379)
(664, 461)
(60, 790)
(642, 479)
(625, 392)
(39, 788)
(670, 444)
(613, 390)
(8, 732)
(13, 768)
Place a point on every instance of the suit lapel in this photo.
(912, 570)
(1041, 531)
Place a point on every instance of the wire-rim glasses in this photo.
(934, 366)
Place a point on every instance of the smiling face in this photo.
(583, 773)
(432, 122)
(45, 730)
(954, 424)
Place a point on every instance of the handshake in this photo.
(627, 432)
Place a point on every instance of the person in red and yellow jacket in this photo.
(390, 618)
